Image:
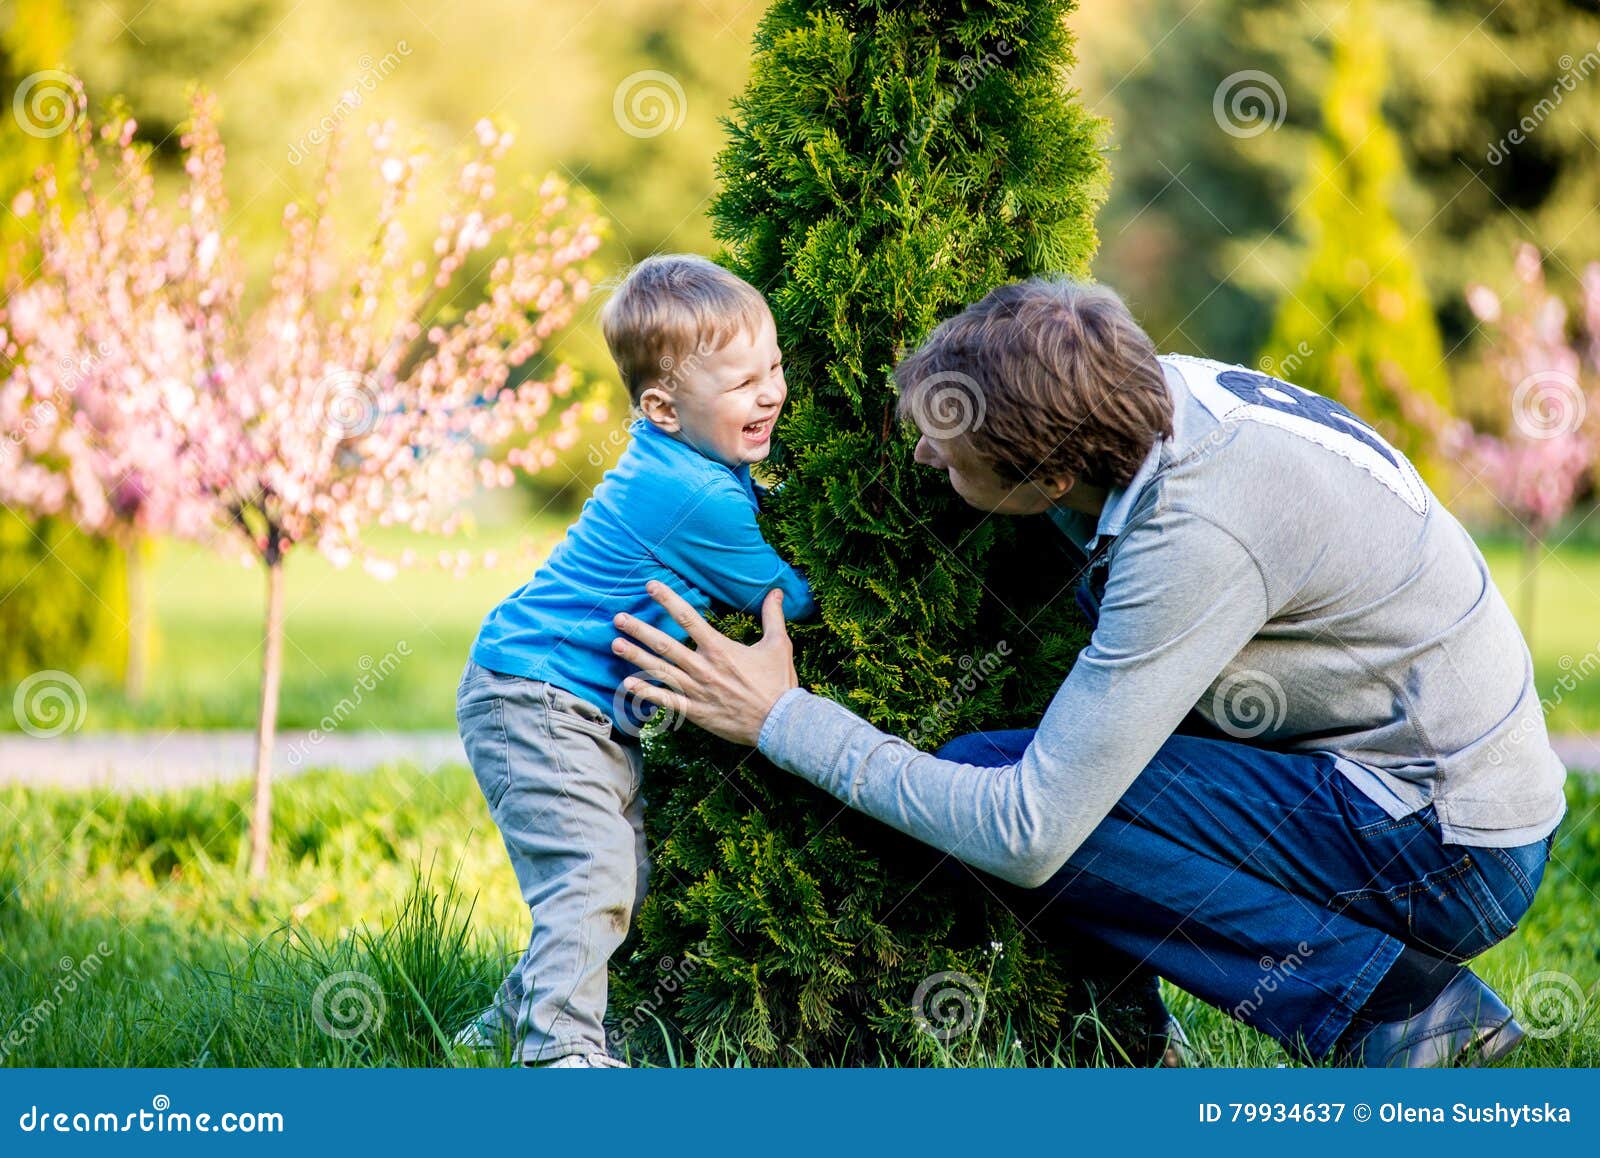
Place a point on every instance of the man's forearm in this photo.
(987, 817)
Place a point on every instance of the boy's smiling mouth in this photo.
(759, 431)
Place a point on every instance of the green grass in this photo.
(129, 935)
(207, 666)
(1566, 627)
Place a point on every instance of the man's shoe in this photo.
(1466, 1025)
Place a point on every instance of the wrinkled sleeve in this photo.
(713, 542)
(1182, 597)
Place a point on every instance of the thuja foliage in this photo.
(887, 164)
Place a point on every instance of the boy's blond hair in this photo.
(1042, 378)
(672, 309)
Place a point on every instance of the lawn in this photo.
(1566, 628)
(128, 935)
(207, 666)
(208, 661)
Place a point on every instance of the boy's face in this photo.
(980, 485)
(726, 403)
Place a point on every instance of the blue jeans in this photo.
(1269, 885)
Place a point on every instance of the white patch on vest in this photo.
(1200, 375)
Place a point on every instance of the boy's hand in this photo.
(727, 688)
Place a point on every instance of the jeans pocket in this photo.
(1438, 912)
(483, 735)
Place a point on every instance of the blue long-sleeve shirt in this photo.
(665, 512)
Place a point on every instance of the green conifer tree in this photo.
(1358, 326)
(888, 163)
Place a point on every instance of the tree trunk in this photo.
(136, 675)
(1530, 569)
(267, 721)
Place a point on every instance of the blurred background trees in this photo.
(1266, 201)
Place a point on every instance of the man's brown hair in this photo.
(1042, 378)
(672, 309)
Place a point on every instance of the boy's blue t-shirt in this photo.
(665, 512)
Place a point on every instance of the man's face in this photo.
(977, 482)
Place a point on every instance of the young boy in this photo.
(550, 732)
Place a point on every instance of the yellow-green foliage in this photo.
(1358, 326)
(62, 601)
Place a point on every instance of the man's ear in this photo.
(1056, 488)
(658, 405)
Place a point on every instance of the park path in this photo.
(140, 761)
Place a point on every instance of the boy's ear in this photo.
(658, 405)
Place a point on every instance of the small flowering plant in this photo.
(360, 392)
(1537, 467)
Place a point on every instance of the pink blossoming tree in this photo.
(1537, 467)
(358, 393)
(75, 444)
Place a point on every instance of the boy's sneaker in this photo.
(476, 1035)
(582, 1061)
(480, 1044)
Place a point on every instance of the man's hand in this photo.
(725, 687)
